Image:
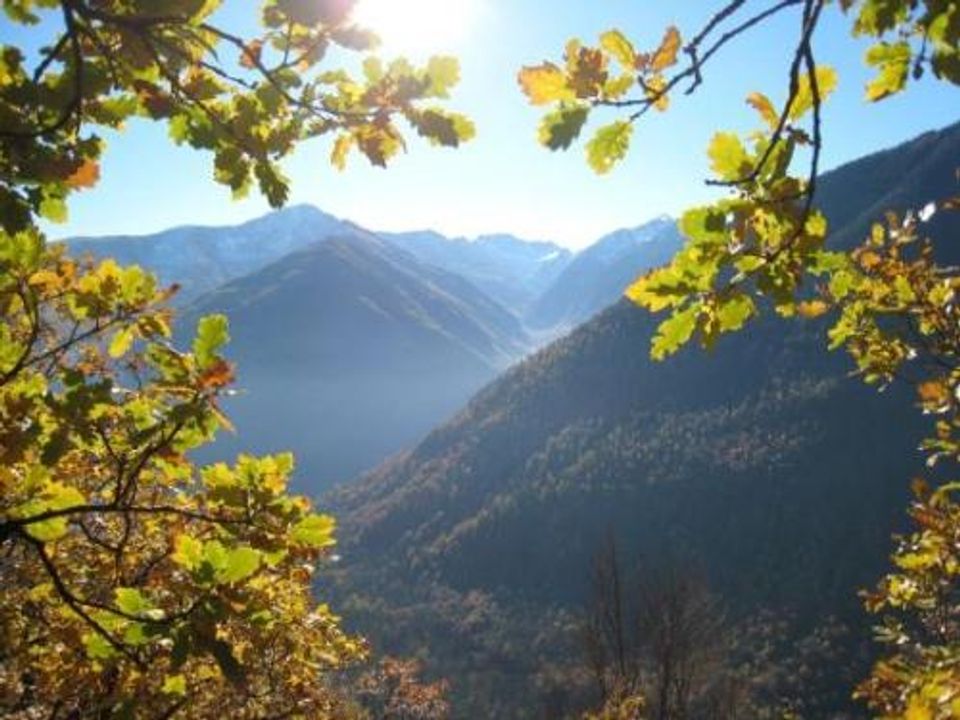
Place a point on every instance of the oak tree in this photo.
(135, 583)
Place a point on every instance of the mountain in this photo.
(762, 463)
(512, 271)
(201, 259)
(350, 349)
(596, 277)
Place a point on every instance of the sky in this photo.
(503, 181)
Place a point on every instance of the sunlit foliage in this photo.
(248, 100)
(136, 584)
(891, 304)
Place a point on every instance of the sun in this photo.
(414, 27)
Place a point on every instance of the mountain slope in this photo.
(512, 271)
(350, 349)
(597, 277)
(761, 463)
(201, 259)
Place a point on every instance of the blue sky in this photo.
(503, 181)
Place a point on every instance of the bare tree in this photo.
(661, 635)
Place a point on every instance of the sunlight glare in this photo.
(418, 26)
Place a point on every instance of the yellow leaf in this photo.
(728, 157)
(826, 84)
(917, 709)
(617, 44)
(545, 84)
(812, 308)
(341, 148)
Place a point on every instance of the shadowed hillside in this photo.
(761, 462)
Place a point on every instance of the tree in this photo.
(136, 584)
(765, 247)
(250, 101)
(657, 643)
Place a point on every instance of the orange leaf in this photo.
(666, 54)
(85, 176)
(250, 57)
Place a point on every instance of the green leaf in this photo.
(53, 497)
(893, 62)
(315, 531)
(728, 158)
(175, 685)
(188, 552)
(734, 312)
(675, 332)
(560, 128)
(620, 47)
(609, 146)
(706, 225)
(212, 334)
(131, 601)
(239, 564)
(97, 647)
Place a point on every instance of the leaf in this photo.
(675, 332)
(704, 225)
(761, 103)
(444, 73)
(560, 128)
(812, 308)
(121, 342)
(341, 149)
(620, 47)
(131, 601)
(85, 176)
(544, 84)
(315, 531)
(826, 84)
(729, 159)
(212, 334)
(175, 685)
(609, 146)
(443, 128)
(188, 552)
(917, 709)
(666, 54)
(893, 62)
(239, 564)
(54, 497)
(97, 647)
(250, 57)
(735, 311)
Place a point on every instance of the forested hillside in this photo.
(761, 463)
(597, 276)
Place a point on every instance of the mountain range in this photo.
(350, 349)
(200, 259)
(596, 278)
(352, 345)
